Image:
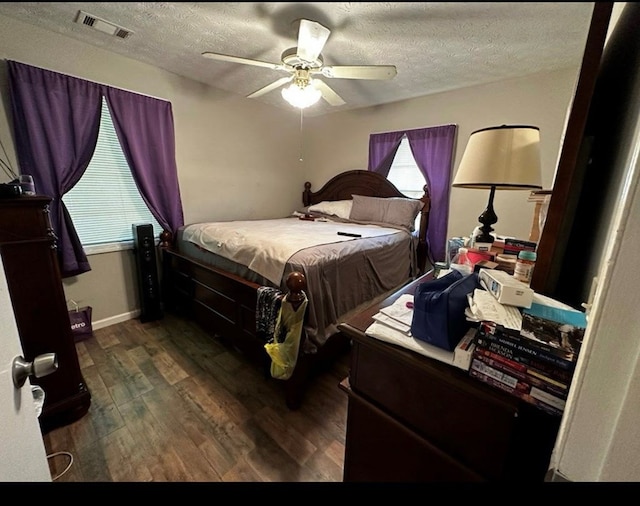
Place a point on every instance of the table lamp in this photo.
(505, 157)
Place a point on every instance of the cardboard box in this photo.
(505, 288)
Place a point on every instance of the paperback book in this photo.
(534, 367)
(520, 372)
(514, 246)
(522, 346)
(533, 395)
(551, 370)
(560, 328)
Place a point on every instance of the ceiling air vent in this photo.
(102, 25)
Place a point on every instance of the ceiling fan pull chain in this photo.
(301, 135)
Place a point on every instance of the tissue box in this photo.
(505, 288)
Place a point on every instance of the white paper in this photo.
(389, 335)
(399, 310)
(484, 306)
(394, 324)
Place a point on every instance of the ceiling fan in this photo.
(304, 63)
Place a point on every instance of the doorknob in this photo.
(41, 366)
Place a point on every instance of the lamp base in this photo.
(484, 237)
(487, 218)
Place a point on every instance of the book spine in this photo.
(534, 396)
(526, 362)
(540, 370)
(548, 384)
(525, 347)
(514, 246)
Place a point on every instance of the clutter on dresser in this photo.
(529, 352)
(504, 252)
(513, 339)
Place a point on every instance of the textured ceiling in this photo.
(435, 46)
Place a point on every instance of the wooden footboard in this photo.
(225, 306)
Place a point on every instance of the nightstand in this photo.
(413, 418)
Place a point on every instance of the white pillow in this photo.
(339, 208)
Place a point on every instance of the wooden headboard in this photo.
(370, 184)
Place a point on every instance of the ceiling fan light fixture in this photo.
(301, 97)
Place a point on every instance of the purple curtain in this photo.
(56, 121)
(145, 129)
(433, 150)
(382, 150)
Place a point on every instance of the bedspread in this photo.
(265, 246)
(342, 276)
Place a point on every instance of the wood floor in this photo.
(171, 404)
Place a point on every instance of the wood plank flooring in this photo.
(172, 404)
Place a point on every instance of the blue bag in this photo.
(438, 309)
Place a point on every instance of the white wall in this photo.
(340, 141)
(227, 164)
(233, 153)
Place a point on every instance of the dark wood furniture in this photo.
(28, 249)
(225, 304)
(561, 260)
(413, 418)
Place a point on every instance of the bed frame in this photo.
(225, 304)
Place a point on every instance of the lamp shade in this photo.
(505, 157)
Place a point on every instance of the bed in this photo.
(215, 279)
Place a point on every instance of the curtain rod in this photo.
(92, 81)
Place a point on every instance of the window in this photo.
(106, 203)
(404, 172)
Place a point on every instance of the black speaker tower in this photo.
(144, 248)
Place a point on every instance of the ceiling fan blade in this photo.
(312, 37)
(270, 87)
(359, 71)
(245, 61)
(330, 96)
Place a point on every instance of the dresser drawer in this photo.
(380, 449)
(460, 416)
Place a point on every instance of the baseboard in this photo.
(106, 322)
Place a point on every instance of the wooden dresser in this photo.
(28, 249)
(412, 418)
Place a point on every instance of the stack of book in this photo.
(516, 361)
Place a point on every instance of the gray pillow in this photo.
(393, 210)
